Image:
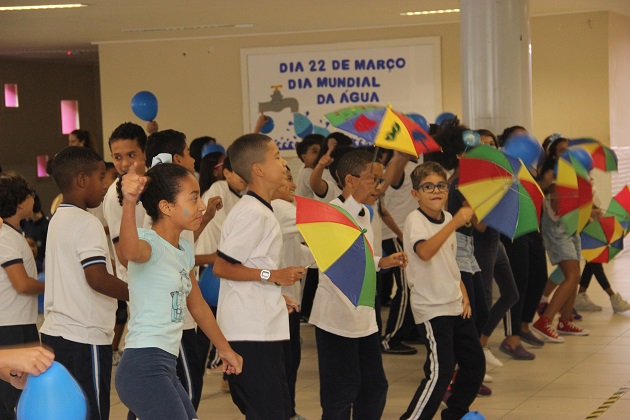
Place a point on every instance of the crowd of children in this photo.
(129, 252)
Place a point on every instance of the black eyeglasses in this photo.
(429, 187)
(377, 181)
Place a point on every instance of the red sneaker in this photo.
(569, 328)
(543, 327)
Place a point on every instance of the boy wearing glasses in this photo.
(351, 376)
(439, 302)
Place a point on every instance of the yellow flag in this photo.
(393, 134)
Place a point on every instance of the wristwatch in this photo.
(264, 275)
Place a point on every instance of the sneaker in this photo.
(397, 348)
(576, 316)
(619, 304)
(116, 356)
(484, 391)
(542, 306)
(569, 328)
(491, 359)
(531, 339)
(584, 303)
(518, 353)
(488, 378)
(543, 327)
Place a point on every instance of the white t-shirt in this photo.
(434, 284)
(252, 310)
(112, 211)
(332, 191)
(72, 309)
(293, 252)
(332, 310)
(15, 308)
(303, 183)
(208, 240)
(399, 201)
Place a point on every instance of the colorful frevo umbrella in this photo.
(340, 249)
(574, 193)
(385, 128)
(602, 239)
(620, 207)
(604, 158)
(501, 191)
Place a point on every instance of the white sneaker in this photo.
(116, 355)
(619, 304)
(584, 303)
(488, 378)
(491, 359)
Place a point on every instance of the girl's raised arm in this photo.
(133, 249)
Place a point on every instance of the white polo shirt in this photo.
(292, 254)
(332, 191)
(15, 308)
(252, 310)
(72, 309)
(208, 241)
(399, 201)
(332, 310)
(434, 284)
(303, 183)
(112, 211)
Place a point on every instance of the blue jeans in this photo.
(147, 383)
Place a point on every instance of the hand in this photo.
(232, 362)
(287, 276)
(19, 381)
(399, 259)
(463, 216)
(292, 305)
(331, 143)
(403, 156)
(325, 160)
(466, 310)
(29, 360)
(260, 122)
(152, 127)
(132, 184)
(214, 204)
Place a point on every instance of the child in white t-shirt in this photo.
(351, 375)
(252, 312)
(307, 150)
(18, 276)
(439, 301)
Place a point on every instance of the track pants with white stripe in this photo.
(451, 340)
(91, 366)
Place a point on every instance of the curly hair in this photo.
(14, 189)
(449, 137)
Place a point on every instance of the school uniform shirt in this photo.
(72, 309)
(189, 237)
(252, 310)
(399, 201)
(434, 284)
(332, 310)
(158, 290)
(303, 183)
(332, 191)
(208, 240)
(292, 254)
(15, 308)
(112, 211)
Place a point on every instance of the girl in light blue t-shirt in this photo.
(161, 286)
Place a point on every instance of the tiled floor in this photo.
(566, 381)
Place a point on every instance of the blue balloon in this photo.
(211, 148)
(420, 120)
(209, 285)
(524, 147)
(145, 105)
(53, 395)
(267, 126)
(471, 138)
(474, 415)
(582, 156)
(444, 117)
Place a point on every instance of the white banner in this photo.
(296, 86)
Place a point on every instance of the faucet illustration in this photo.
(278, 102)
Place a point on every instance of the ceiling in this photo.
(73, 34)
